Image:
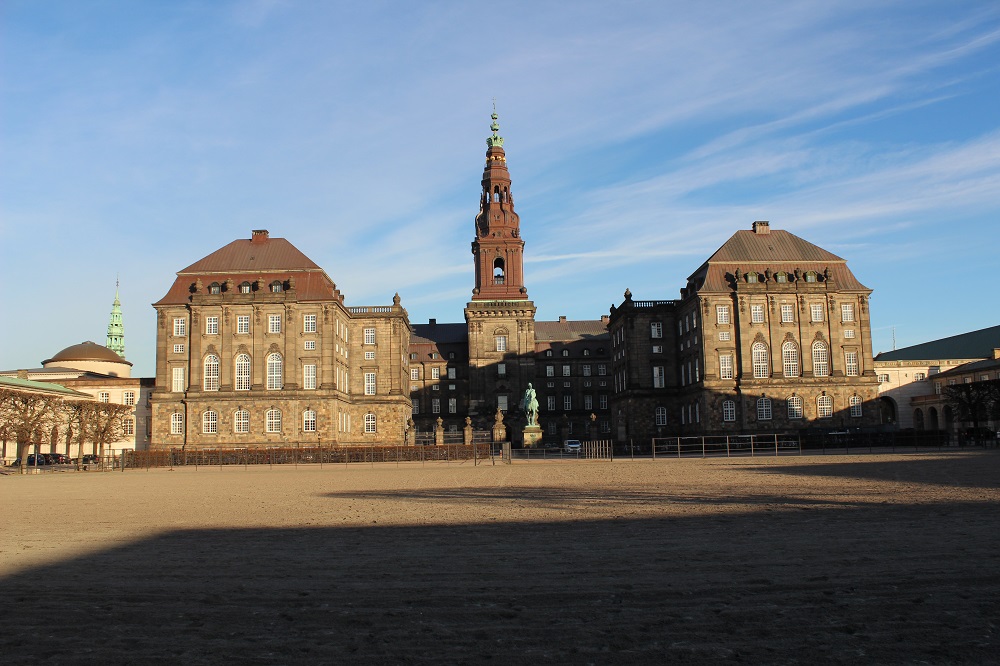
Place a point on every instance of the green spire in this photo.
(496, 139)
(116, 330)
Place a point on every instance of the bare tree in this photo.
(27, 415)
(973, 402)
(103, 423)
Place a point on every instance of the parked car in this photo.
(572, 446)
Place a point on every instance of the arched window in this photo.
(177, 423)
(277, 287)
(918, 419)
(790, 359)
(763, 409)
(242, 372)
(728, 410)
(661, 416)
(309, 421)
(781, 278)
(211, 379)
(548, 352)
(370, 423)
(210, 422)
(752, 277)
(761, 362)
(855, 403)
(586, 352)
(810, 276)
(241, 421)
(795, 407)
(272, 420)
(245, 287)
(215, 288)
(565, 352)
(498, 271)
(824, 406)
(821, 360)
(274, 372)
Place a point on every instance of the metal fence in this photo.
(772, 444)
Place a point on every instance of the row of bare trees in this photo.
(30, 418)
(975, 402)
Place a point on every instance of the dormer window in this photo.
(277, 287)
(215, 288)
(244, 287)
(781, 278)
(565, 352)
(810, 276)
(752, 278)
(548, 352)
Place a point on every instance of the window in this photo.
(725, 366)
(435, 373)
(452, 405)
(275, 379)
(565, 352)
(309, 323)
(309, 421)
(501, 369)
(369, 336)
(816, 312)
(128, 398)
(883, 379)
(548, 352)
(309, 376)
(210, 423)
(178, 380)
(369, 383)
(128, 426)
(244, 287)
(588, 402)
(602, 401)
(810, 276)
(602, 369)
(179, 349)
(659, 377)
(274, 323)
(761, 361)
(502, 403)
(781, 278)
(241, 421)
(277, 287)
(369, 356)
(851, 363)
(272, 420)
(656, 329)
(937, 388)
(658, 349)
(550, 371)
(790, 359)
(728, 411)
(211, 325)
(413, 357)
(725, 336)
(795, 407)
(849, 333)
(763, 409)
(180, 327)
(752, 278)
(821, 361)
(414, 374)
(310, 345)
(501, 342)
(176, 423)
(855, 402)
(242, 324)
(565, 371)
(824, 406)
(586, 371)
(661, 416)
(242, 372)
(436, 406)
(919, 376)
(211, 379)
(722, 314)
(847, 311)
(757, 314)
(104, 396)
(567, 402)
(451, 373)
(787, 313)
(415, 406)
(550, 403)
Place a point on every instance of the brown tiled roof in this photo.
(566, 331)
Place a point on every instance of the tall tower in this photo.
(116, 330)
(500, 317)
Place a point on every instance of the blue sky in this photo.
(138, 137)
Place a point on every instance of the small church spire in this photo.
(495, 139)
(116, 330)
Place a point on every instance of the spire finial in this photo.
(116, 330)
(496, 139)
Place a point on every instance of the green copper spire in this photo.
(116, 330)
(496, 139)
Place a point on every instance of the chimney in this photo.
(258, 236)
(432, 322)
(996, 354)
(605, 319)
(562, 319)
(762, 227)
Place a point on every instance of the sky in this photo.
(139, 137)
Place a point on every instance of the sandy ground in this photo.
(850, 559)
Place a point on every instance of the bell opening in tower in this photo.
(498, 273)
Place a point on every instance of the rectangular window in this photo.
(369, 383)
(855, 406)
(435, 373)
(937, 388)
(656, 329)
(179, 349)
(502, 403)
(415, 406)
(309, 376)
(451, 373)
(659, 377)
(274, 323)
(180, 327)
(414, 374)
(176, 423)
(211, 325)
(128, 398)
(369, 336)
(602, 369)
(847, 311)
(586, 371)
(728, 410)
(919, 376)
(851, 363)
(565, 371)
(849, 333)
(725, 366)
(757, 314)
(816, 312)
(550, 403)
(722, 314)
(501, 341)
(567, 402)
(128, 426)
(178, 380)
(501, 369)
(452, 405)
(103, 396)
(588, 402)
(725, 336)
(550, 371)
(787, 313)
(310, 345)
(658, 349)
(369, 356)
(309, 323)
(883, 379)
(435, 405)
(602, 401)
(243, 324)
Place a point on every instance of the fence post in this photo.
(702, 446)
(751, 446)
(728, 453)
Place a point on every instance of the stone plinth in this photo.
(532, 435)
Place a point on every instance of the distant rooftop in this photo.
(965, 346)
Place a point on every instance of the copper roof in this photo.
(972, 345)
(87, 351)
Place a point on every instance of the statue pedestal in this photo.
(532, 435)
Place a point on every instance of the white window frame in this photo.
(756, 314)
(211, 325)
(274, 323)
(210, 379)
(180, 327)
(728, 411)
(824, 407)
(722, 314)
(369, 336)
(275, 371)
(309, 420)
(177, 423)
(764, 412)
(128, 398)
(371, 384)
(272, 421)
(243, 371)
(177, 383)
(414, 374)
(790, 366)
(761, 360)
(309, 376)
(242, 324)
(309, 323)
(210, 422)
(567, 403)
(501, 343)
(656, 329)
(847, 312)
(851, 366)
(787, 313)
(821, 359)
(371, 424)
(659, 376)
(855, 402)
(795, 410)
(816, 312)
(241, 422)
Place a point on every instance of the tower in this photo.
(500, 318)
(116, 330)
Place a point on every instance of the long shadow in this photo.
(878, 584)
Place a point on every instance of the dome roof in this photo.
(87, 351)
